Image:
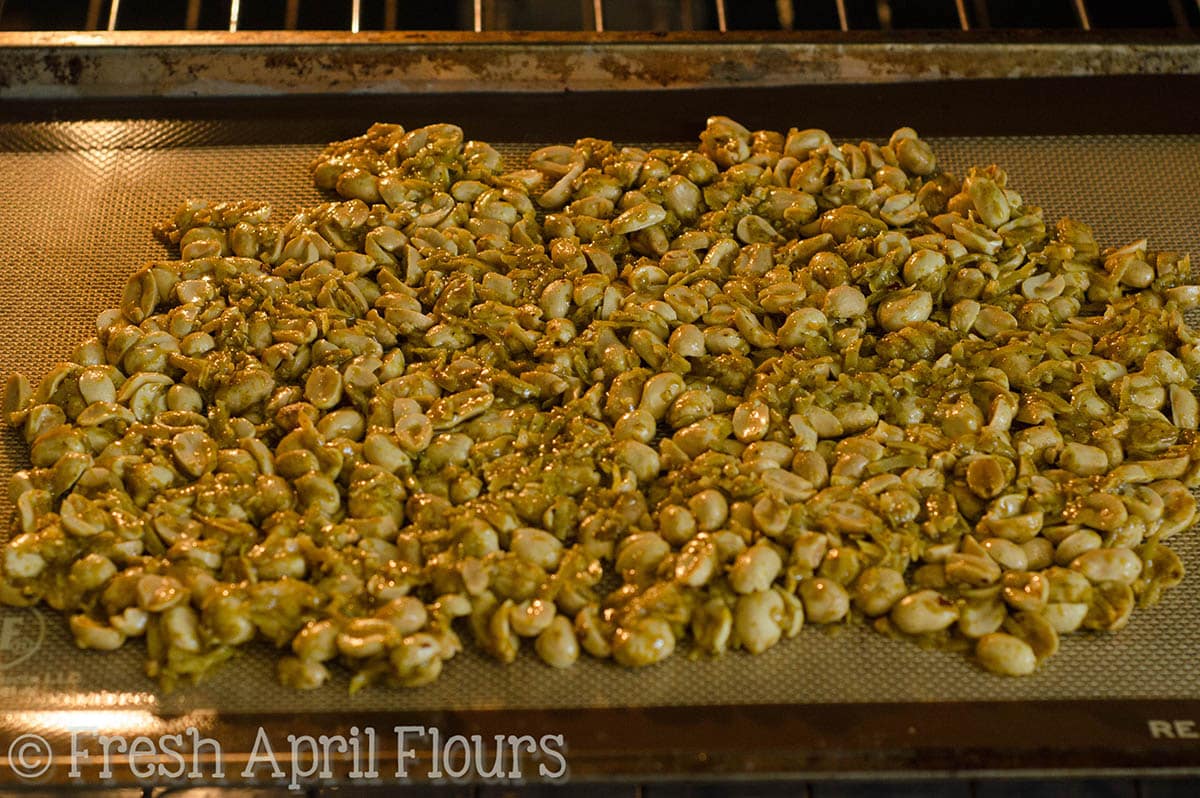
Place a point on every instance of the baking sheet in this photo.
(77, 200)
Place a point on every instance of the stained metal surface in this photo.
(212, 64)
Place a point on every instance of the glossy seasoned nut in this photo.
(556, 644)
(639, 556)
(988, 476)
(301, 674)
(417, 660)
(536, 546)
(1005, 654)
(924, 612)
(712, 626)
(709, 508)
(90, 633)
(644, 641)
(1008, 555)
(982, 613)
(751, 421)
(157, 593)
(1065, 617)
(1036, 630)
(757, 620)
(975, 569)
(1108, 565)
(1109, 607)
(677, 525)
(697, 562)
(755, 568)
(1083, 459)
(181, 628)
(1102, 511)
(1025, 591)
(638, 458)
(877, 589)
(844, 302)
(904, 309)
(323, 387)
(825, 601)
(195, 452)
(530, 618)
(1075, 545)
(92, 571)
(915, 156)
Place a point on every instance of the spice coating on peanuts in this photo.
(618, 403)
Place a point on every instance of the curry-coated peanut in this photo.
(757, 620)
(877, 589)
(1108, 565)
(1083, 459)
(905, 309)
(639, 555)
(755, 568)
(643, 641)
(982, 612)
(637, 425)
(1065, 617)
(844, 302)
(317, 641)
(808, 552)
(557, 644)
(1024, 590)
(1008, 555)
(751, 421)
(1039, 554)
(709, 508)
(90, 633)
(677, 524)
(825, 601)
(923, 612)
(536, 546)
(697, 562)
(1075, 545)
(1005, 654)
(181, 628)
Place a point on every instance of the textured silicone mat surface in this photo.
(76, 204)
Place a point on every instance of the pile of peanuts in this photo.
(616, 401)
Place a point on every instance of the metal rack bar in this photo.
(192, 20)
(1178, 14)
(685, 15)
(786, 13)
(489, 15)
(1081, 11)
(883, 10)
(93, 15)
(982, 18)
